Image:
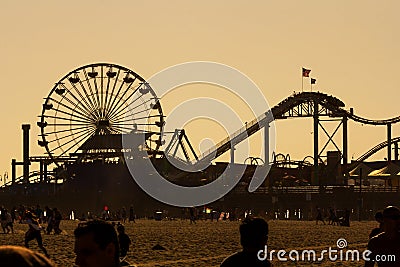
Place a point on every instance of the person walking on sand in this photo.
(123, 214)
(6, 221)
(319, 216)
(192, 211)
(253, 238)
(346, 219)
(49, 220)
(131, 214)
(57, 220)
(9, 222)
(3, 218)
(124, 243)
(332, 217)
(34, 232)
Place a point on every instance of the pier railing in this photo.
(317, 189)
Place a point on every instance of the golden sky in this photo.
(352, 48)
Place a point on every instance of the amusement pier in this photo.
(90, 110)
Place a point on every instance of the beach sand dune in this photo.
(206, 243)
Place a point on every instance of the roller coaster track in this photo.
(373, 122)
(377, 148)
(297, 105)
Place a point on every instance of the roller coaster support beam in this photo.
(316, 149)
(178, 140)
(25, 129)
(14, 164)
(396, 151)
(13, 171)
(389, 138)
(345, 149)
(266, 143)
(189, 144)
(43, 171)
(232, 154)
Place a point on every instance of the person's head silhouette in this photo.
(253, 234)
(22, 257)
(121, 229)
(96, 244)
(253, 238)
(391, 219)
(379, 216)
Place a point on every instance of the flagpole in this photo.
(302, 79)
(312, 81)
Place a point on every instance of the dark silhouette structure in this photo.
(90, 111)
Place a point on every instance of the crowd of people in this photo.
(52, 217)
(333, 218)
(97, 242)
(102, 243)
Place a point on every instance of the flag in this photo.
(306, 72)
(313, 81)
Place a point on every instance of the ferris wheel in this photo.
(99, 100)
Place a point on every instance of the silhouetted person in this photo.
(332, 217)
(377, 230)
(49, 220)
(123, 214)
(253, 238)
(346, 219)
(39, 213)
(131, 214)
(319, 216)
(9, 222)
(12, 256)
(124, 241)
(57, 221)
(96, 245)
(3, 219)
(232, 216)
(34, 232)
(387, 242)
(6, 221)
(192, 212)
(13, 214)
(21, 213)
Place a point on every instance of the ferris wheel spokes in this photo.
(98, 99)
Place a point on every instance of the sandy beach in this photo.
(205, 243)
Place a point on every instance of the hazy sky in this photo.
(352, 48)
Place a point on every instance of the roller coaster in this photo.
(88, 111)
(309, 104)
